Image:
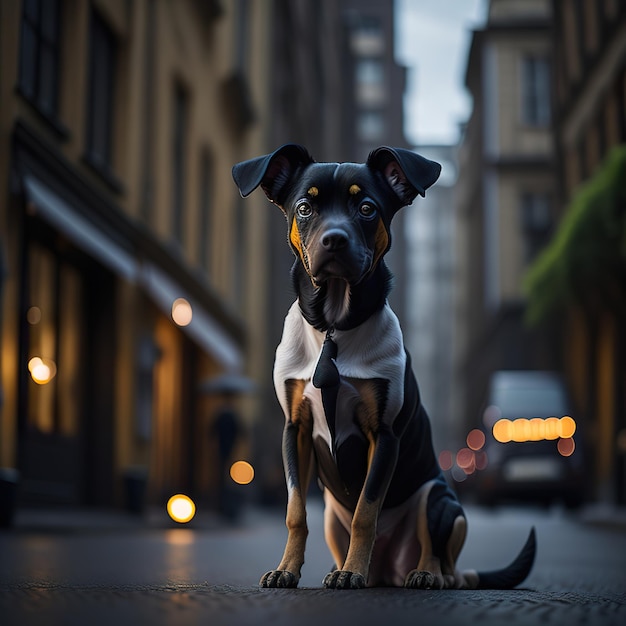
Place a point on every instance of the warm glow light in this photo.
(566, 446)
(567, 427)
(42, 371)
(521, 430)
(242, 472)
(181, 508)
(552, 428)
(480, 459)
(445, 460)
(503, 431)
(535, 429)
(181, 312)
(465, 458)
(475, 439)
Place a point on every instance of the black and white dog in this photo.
(345, 383)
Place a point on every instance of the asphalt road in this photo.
(125, 572)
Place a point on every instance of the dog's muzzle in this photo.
(337, 255)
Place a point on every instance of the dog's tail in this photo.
(515, 573)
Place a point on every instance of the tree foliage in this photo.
(585, 262)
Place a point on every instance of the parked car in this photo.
(534, 445)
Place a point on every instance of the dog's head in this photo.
(338, 214)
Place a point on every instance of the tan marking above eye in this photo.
(354, 189)
(313, 191)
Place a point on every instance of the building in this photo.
(581, 278)
(505, 196)
(119, 125)
(431, 296)
(128, 274)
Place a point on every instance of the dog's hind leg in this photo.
(297, 460)
(441, 530)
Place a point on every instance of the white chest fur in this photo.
(375, 349)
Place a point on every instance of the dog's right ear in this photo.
(271, 171)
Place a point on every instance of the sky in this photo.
(432, 41)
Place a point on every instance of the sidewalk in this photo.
(603, 514)
(156, 518)
(79, 519)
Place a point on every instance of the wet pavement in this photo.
(110, 568)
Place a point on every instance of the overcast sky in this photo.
(432, 41)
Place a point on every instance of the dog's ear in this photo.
(271, 171)
(406, 172)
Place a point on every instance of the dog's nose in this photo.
(335, 239)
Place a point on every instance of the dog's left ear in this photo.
(406, 172)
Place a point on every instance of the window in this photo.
(39, 54)
(179, 160)
(535, 91)
(536, 219)
(102, 67)
(366, 38)
(371, 126)
(55, 344)
(370, 82)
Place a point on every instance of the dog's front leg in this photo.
(382, 458)
(297, 459)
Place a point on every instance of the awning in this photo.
(161, 288)
(59, 213)
(203, 329)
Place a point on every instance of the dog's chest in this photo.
(373, 350)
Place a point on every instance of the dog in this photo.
(344, 382)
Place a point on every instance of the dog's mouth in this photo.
(332, 268)
(325, 267)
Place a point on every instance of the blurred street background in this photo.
(141, 299)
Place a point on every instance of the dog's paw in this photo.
(417, 579)
(279, 578)
(342, 579)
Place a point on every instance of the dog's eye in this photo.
(367, 210)
(303, 209)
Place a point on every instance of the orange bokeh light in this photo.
(566, 446)
(242, 472)
(445, 460)
(475, 439)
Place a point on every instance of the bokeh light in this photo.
(566, 446)
(33, 315)
(181, 508)
(535, 429)
(481, 460)
(475, 439)
(567, 426)
(242, 472)
(42, 371)
(465, 458)
(182, 312)
(445, 460)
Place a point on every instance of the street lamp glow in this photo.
(242, 472)
(181, 312)
(42, 371)
(181, 508)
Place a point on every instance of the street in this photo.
(123, 572)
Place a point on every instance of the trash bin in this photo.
(9, 479)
